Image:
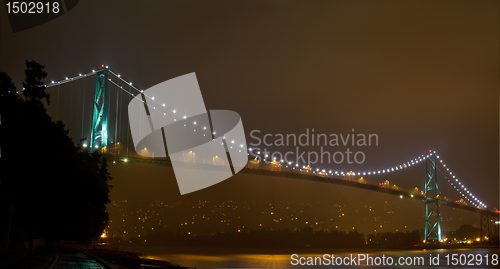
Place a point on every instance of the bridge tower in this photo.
(99, 127)
(432, 218)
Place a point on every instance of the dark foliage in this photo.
(33, 87)
(465, 232)
(395, 240)
(58, 191)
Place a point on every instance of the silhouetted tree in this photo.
(465, 232)
(34, 88)
(59, 191)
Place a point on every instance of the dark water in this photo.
(252, 258)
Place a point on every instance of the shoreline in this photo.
(128, 259)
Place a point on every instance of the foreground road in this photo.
(71, 258)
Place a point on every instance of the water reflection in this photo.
(472, 258)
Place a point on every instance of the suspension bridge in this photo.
(94, 105)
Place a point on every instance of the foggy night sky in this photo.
(420, 74)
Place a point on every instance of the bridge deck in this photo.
(312, 177)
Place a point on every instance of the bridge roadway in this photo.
(312, 177)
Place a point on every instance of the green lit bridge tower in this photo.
(432, 218)
(99, 129)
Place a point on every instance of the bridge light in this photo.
(152, 98)
(163, 104)
(175, 111)
(119, 75)
(401, 196)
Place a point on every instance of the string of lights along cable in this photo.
(176, 114)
